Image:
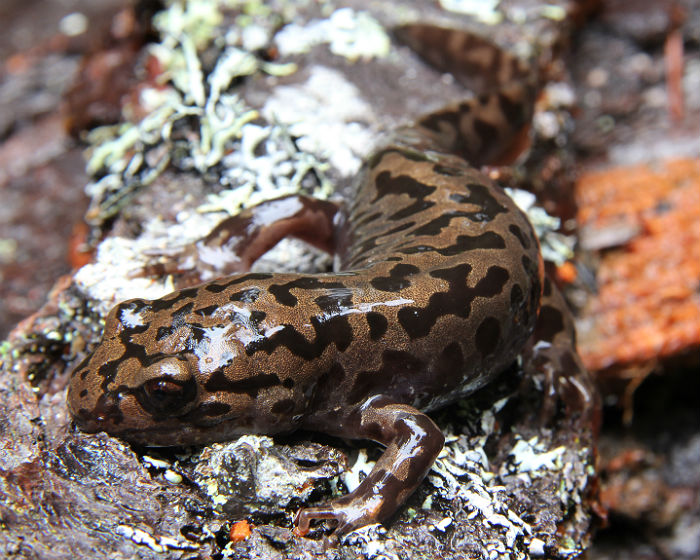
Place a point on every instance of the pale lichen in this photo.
(556, 247)
(350, 34)
(193, 118)
(158, 544)
(485, 11)
(327, 115)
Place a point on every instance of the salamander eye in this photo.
(166, 397)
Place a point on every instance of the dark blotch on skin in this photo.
(164, 332)
(550, 322)
(207, 311)
(397, 279)
(188, 294)
(373, 242)
(106, 371)
(448, 171)
(368, 219)
(136, 306)
(179, 318)
(251, 385)
(435, 226)
(411, 155)
(524, 239)
(415, 208)
(335, 330)
(377, 325)
(248, 295)
(335, 301)
(488, 240)
(218, 287)
(487, 336)
(480, 196)
(199, 335)
(256, 317)
(418, 322)
(386, 185)
(283, 295)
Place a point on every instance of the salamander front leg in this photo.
(412, 441)
(237, 242)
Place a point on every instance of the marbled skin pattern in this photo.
(439, 289)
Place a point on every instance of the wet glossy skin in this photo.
(439, 289)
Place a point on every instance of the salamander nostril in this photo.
(106, 411)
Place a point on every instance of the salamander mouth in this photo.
(84, 422)
(173, 436)
(193, 428)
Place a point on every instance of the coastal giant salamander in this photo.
(439, 288)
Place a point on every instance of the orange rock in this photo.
(648, 301)
(240, 531)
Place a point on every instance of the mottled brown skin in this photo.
(439, 288)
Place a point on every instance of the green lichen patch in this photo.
(194, 113)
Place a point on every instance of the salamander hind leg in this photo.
(551, 353)
(412, 441)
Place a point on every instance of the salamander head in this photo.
(159, 378)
